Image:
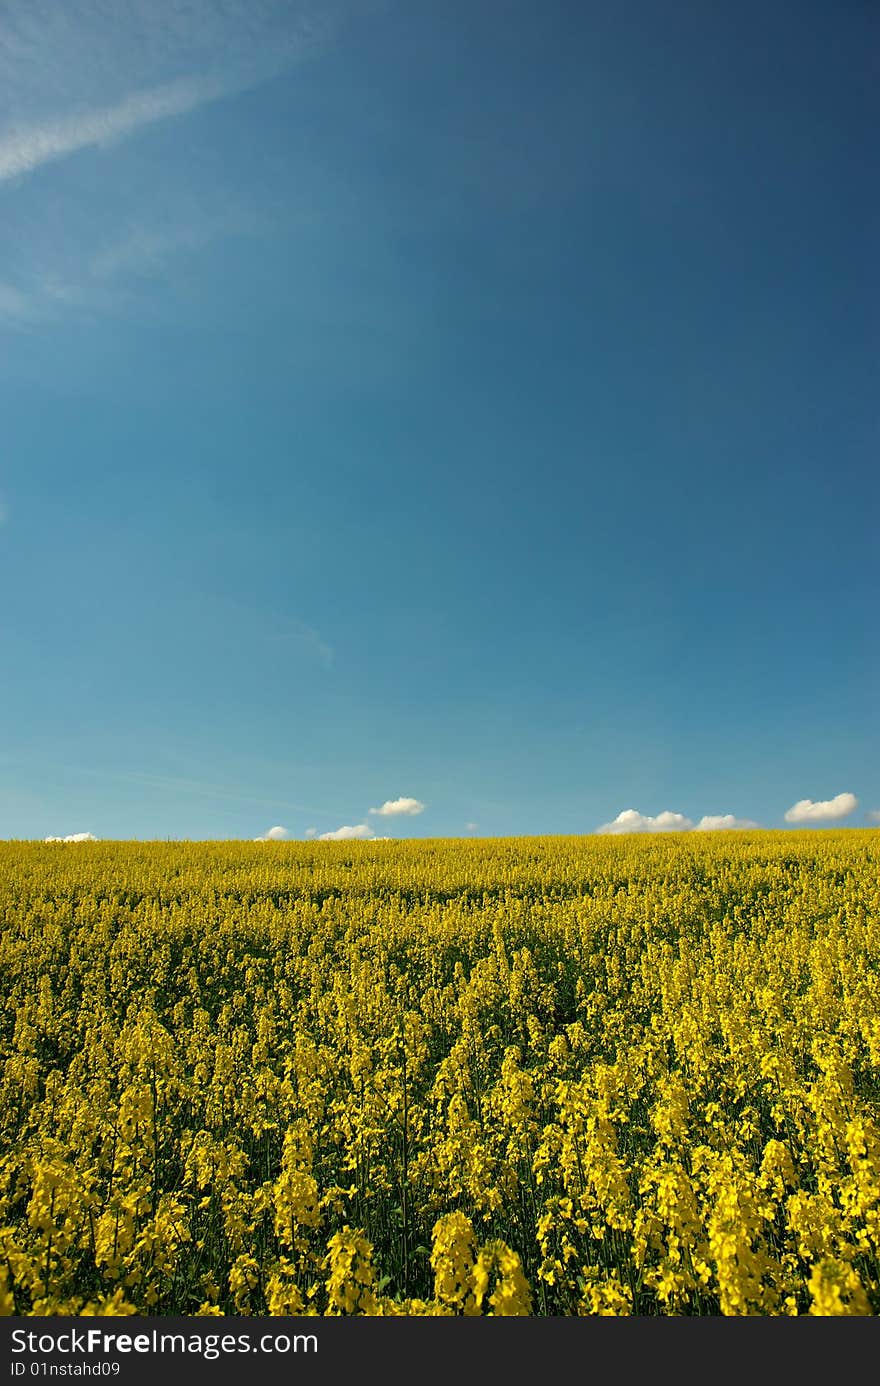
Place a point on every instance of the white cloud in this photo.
(874, 815)
(69, 47)
(310, 641)
(150, 60)
(631, 821)
(276, 834)
(24, 149)
(393, 807)
(471, 827)
(716, 822)
(78, 75)
(144, 250)
(73, 837)
(346, 834)
(15, 305)
(265, 622)
(311, 832)
(808, 811)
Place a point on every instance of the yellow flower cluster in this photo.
(561, 1076)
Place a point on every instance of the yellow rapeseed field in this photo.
(557, 1076)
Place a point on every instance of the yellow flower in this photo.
(836, 1289)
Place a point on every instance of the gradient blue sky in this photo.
(470, 402)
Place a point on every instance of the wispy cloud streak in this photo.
(23, 150)
(82, 75)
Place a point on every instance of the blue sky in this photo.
(472, 405)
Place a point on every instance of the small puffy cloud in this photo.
(631, 821)
(347, 834)
(874, 815)
(471, 827)
(276, 834)
(806, 811)
(393, 807)
(73, 837)
(718, 822)
(311, 832)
